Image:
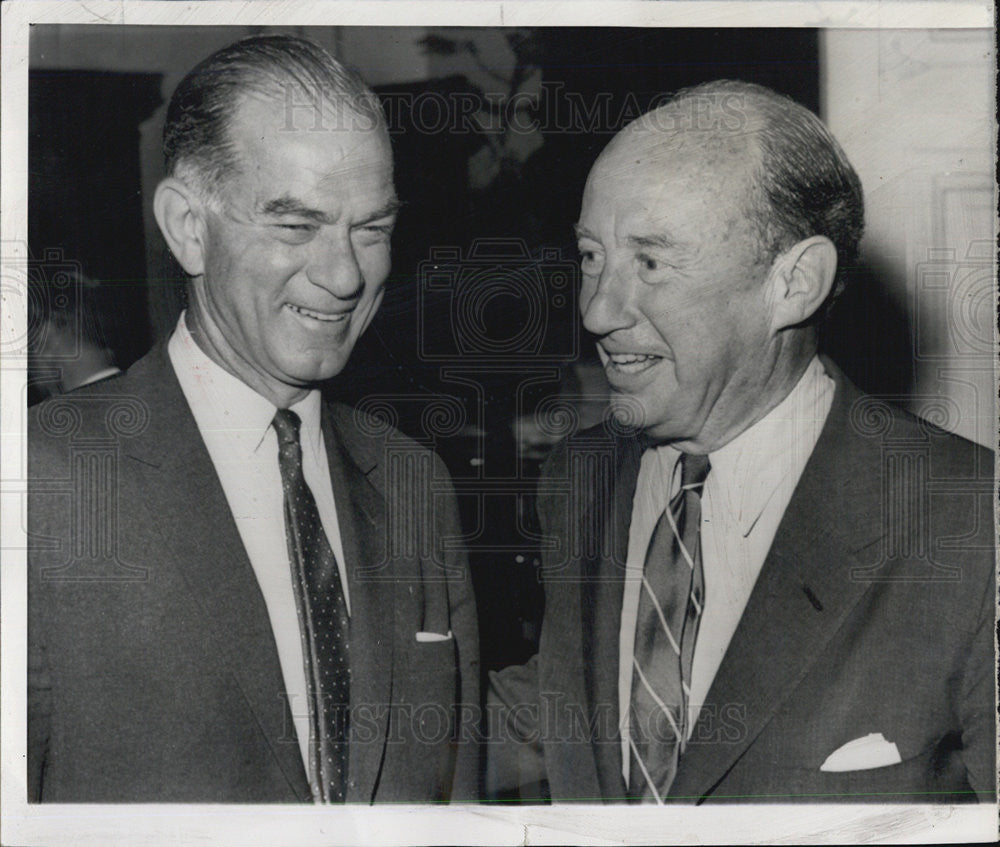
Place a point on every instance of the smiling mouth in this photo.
(322, 317)
(631, 363)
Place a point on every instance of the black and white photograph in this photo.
(498, 423)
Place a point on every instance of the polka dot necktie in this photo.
(323, 623)
(670, 606)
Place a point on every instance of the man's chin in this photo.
(627, 412)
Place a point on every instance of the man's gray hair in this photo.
(197, 147)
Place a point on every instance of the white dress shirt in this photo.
(235, 423)
(748, 488)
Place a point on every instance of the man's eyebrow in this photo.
(288, 205)
(656, 240)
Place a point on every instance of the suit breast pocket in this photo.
(934, 774)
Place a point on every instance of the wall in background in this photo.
(384, 54)
(914, 111)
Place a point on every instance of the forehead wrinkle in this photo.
(610, 167)
(327, 181)
(328, 177)
(287, 204)
(676, 161)
(646, 141)
(262, 133)
(289, 106)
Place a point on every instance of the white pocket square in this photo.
(861, 754)
(429, 637)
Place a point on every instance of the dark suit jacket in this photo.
(153, 671)
(873, 613)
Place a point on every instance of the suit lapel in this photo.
(801, 598)
(361, 518)
(603, 588)
(187, 509)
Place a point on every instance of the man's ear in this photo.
(180, 216)
(801, 279)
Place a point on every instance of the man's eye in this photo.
(295, 232)
(590, 260)
(376, 232)
(655, 268)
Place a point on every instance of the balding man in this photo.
(761, 584)
(239, 592)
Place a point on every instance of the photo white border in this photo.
(102, 825)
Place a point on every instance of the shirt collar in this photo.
(747, 472)
(750, 469)
(225, 405)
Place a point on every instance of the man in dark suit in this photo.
(760, 584)
(238, 592)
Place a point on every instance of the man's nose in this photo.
(334, 266)
(606, 302)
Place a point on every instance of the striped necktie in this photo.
(323, 622)
(670, 606)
